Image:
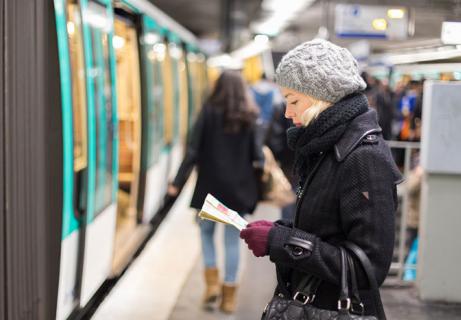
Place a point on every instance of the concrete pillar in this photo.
(439, 265)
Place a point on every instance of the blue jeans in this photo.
(231, 247)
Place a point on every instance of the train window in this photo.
(155, 53)
(195, 83)
(198, 78)
(183, 97)
(100, 27)
(107, 169)
(201, 78)
(74, 31)
(175, 54)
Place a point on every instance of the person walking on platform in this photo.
(347, 183)
(268, 98)
(224, 146)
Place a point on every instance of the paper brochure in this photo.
(214, 210)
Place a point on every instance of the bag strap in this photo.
(306, 290)
(307, 287)
(369, 271)
(356, 302)
(281, 284)
(344, 301)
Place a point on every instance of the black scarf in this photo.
(323, 132)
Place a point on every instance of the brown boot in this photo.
(229, 299)
(212, 287)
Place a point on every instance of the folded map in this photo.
(214, 210)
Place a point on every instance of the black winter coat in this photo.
(224, 162)
(351, 195)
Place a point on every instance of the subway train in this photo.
(130, 89)
(116, 86)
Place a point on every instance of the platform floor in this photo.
(166, 282)
(257, 281)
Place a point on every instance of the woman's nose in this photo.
(288, 113)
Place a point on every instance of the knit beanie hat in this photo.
(320, 69)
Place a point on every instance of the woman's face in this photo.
(297, 103)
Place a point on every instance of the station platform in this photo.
(165, 282)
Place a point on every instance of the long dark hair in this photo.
(231, 95)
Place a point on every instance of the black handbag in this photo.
(350, 306)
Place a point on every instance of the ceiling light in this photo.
(224, 61)
(151, 38)
(396, 13)
(70, 28)
(284, 5)
(267, 28)
(175, 51)
(278, 14)
(379, 24)
(261, 38)
(118, 42)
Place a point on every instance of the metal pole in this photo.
(403, 218)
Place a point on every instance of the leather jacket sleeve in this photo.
(367, 202)
(284, 222)
(192, 151)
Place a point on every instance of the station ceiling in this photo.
(205, 18)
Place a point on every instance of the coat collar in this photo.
(362, 126)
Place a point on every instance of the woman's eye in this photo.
(295, 102)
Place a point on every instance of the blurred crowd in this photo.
(399, 110)
(399, 114)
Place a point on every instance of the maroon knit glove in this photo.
(256, 236)
(260, 223)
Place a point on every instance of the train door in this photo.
(128, 235)
(101, 213)
(75, 148)
(153, 181)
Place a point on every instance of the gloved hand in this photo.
(260, 223)
(256, 236)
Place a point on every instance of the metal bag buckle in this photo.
(357, 308)
(303, 298)
(344, 304)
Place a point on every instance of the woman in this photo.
(224, 148)
(347, 177)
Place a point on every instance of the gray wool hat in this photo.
(320, 69)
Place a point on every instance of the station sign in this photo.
(378, 22)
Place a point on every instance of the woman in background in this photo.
(224, 147)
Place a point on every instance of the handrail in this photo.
(408, 146)
(403, 144)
